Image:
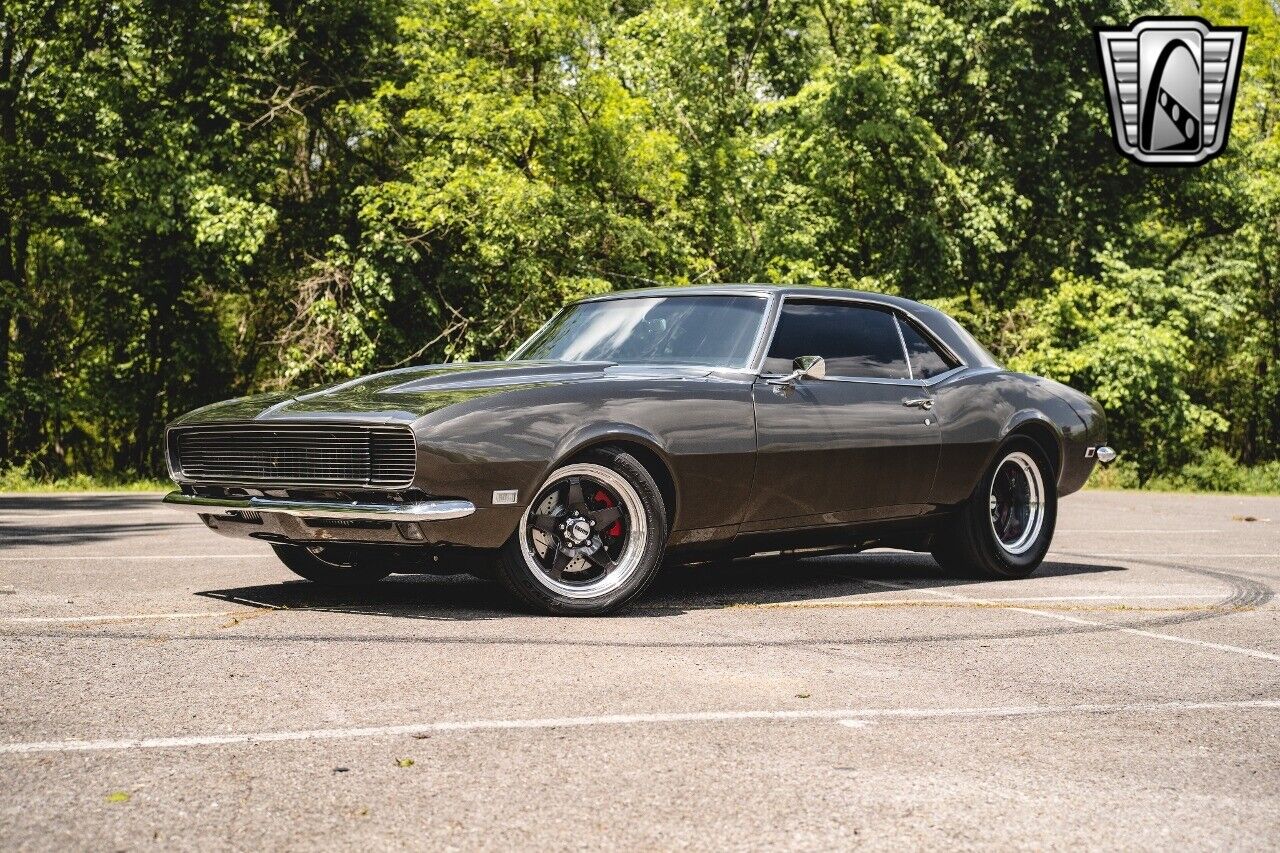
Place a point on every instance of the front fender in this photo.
(702, 431)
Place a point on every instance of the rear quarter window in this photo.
(927, 361)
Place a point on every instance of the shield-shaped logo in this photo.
(1171, 86)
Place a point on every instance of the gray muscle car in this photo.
(681, 423)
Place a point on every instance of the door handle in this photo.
(919, 402)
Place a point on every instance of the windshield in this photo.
(712, 331)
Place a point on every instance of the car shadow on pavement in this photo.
(677, 589)
(26, 535)
(54, 521)
(448, 598)
(782, 580)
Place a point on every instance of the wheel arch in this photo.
(1044, 433)
(646, 449)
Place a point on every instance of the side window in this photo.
(926, 360)
(855, 340)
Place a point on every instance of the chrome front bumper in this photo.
(436, 510)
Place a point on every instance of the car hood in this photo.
(412, 392)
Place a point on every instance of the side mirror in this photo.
(804, 367)
(810, 367)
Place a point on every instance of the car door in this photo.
(862, 443)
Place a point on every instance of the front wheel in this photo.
(332, 565)
(1004, 529)
(590, 540)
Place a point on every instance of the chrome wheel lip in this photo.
(1029, 472)
(637, 534)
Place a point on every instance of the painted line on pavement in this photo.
(119, 617)
(139, 530)
(838, 714)
(70, 557)
(1063, 617)
(88, 513)
(1109, 597)
(1137, 530)
(991, 604)
(1103, 555)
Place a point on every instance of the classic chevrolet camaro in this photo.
(688, 424)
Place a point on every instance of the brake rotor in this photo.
(543, 542)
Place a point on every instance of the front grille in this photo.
(301, 455)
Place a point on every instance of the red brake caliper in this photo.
(603, 497)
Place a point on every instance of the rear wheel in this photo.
(333, 565)
(1004, 529)
(590, 540)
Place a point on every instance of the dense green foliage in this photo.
(203, 199)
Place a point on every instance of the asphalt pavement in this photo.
(166, 688)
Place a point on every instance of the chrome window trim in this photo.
(748, 363)
(515, 355)
(902, 342)
(876, 380)
(930, 338)
(775, 314)
(921, 327)
(769, 326)
(934, 380)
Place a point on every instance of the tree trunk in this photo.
(7, 290)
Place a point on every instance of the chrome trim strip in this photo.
(768, 325)
(902, 342)
(774, 310)
(437, 510)
(516, 353)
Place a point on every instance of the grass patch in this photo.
(20, 480)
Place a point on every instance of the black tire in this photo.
(333, 565)
(968, 545)
(532, 576)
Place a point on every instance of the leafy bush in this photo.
(1213, 470)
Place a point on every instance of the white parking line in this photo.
(841, 715)
(69, 557)
(1062, 617)
(1188, 595)
(76, 531)
(1138, 530)
(1102, 555)
(119, 617)
(87, 513)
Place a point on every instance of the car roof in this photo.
(757, 290)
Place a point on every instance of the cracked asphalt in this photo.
(167, 688)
